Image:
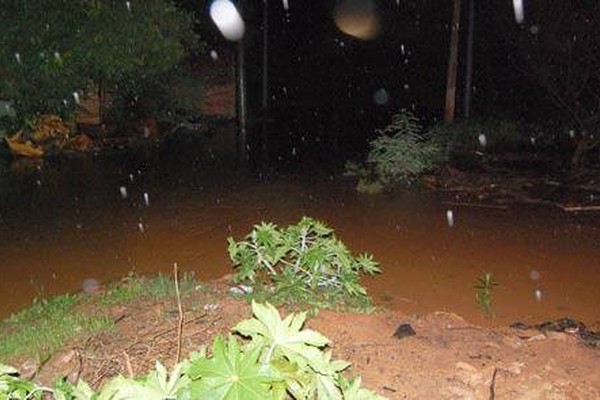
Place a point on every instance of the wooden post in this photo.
(450, 106)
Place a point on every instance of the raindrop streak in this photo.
(57, 56)
(123, 191)
(76, 97)
(286, 5)
(18, 57)
(146, 199)
(128, 5)
(214, 55)
(482, 140)
(141, 226)
(228, 19)
(519, 11)
(450, 218)
(538, 294)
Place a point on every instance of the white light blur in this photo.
(450, 218)
(519, 11)
(228, 19)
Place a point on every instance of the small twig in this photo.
(128, 366)
(493, 385)
(579, 208)
(180, 325)
(478, 205)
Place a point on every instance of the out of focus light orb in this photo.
(358, 18)
(227, 18)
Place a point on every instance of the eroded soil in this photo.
(448, 358)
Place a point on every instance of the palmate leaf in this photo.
(230, 374)
(158, 385)
(283, 337)
(352, 390)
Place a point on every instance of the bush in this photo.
(51, 49)
(301, 264)
(398, 155)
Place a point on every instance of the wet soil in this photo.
(447, 358)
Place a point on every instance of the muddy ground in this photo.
(447, 358)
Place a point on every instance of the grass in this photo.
(43, 328)
(484, 289)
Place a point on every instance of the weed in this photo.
(301, 264)
(398, 155)
(282, 360)
(484, 293)
(43, 328)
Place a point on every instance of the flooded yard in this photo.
(104, 217)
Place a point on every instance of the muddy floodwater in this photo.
(63, 222)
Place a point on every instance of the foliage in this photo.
(485, 134)
(43, 328)
(398, 155)
(47, 324)
(51, 49)
(282, 361)
(484, 293)
(304, 263)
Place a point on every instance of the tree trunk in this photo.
(469, 61)
(450, 107)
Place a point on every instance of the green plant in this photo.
(43, 328)
(398, 155)
(304, 263)
(282, 361)
(486, 284)
(53, 52)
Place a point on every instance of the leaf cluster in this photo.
(398, 155)
(50, 49)
(281, 361)
(304, 263)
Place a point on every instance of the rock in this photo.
(28, 369)
(404, 330)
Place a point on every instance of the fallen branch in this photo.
(579, 208)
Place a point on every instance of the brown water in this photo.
(67, 222)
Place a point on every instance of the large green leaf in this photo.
(283, 337)
(231, 374)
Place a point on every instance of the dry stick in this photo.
(493, 385)
(128, 365)
(180, 325)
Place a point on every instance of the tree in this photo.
(53, 51)
(559, 51)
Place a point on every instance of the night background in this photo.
(421, 177)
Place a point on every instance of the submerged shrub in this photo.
(397, 156)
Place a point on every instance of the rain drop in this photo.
(228, 19)
(214, 55)
(286, 5)
(128, 5)
(141, 226)
(18, 57)
(534, 275)
(57, 56)
(76, 97)
(519, 11)
(482, 140)
(146, 199)
(450, 218)
(381, 97)
(538, 294)
(123, 191)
